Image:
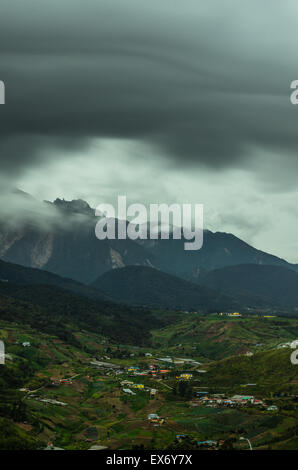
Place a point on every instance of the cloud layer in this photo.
(194, 93)
(205, 83)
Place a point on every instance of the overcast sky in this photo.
(163, 101)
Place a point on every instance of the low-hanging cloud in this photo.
(203, 83)
(20, 211)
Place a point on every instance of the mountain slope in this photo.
(58, 312)
(140, 285)
(219, 250)
(270, 370)
(217, 337)
(273, 285)
(17, 274)
(60, 237)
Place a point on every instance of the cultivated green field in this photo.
(93, 409)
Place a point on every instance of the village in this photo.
(166, 374)
(120, 396)
(220, 400)
(133, 379)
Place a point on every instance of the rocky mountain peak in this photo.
(78, 206)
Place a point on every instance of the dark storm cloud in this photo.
(206, 82)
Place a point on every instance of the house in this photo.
(211, 443)
(230, 402)
(133, 369)
(66, 381)
(283, 345)
(244, 398)
(188, 360)
(138, 386)
(51, 402)
(105, 365)
(153, 416)
(128, 391)
(208, 443)
(51, 446)
(165, 359)
(184, 377)
(257, 402)
(272, 408)
(126, 382)
(179, 437)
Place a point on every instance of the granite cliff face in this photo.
(60, 237)
(67, 245)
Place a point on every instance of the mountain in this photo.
(214, 337)
(62, 313)
(17, 274)
(140, 285)
(60, 237)
(60, 306)
(271, 285)
(271, 371)
(219, 250)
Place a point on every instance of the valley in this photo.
(98, 392)
(125, 345)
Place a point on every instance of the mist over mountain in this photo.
(59, 237)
